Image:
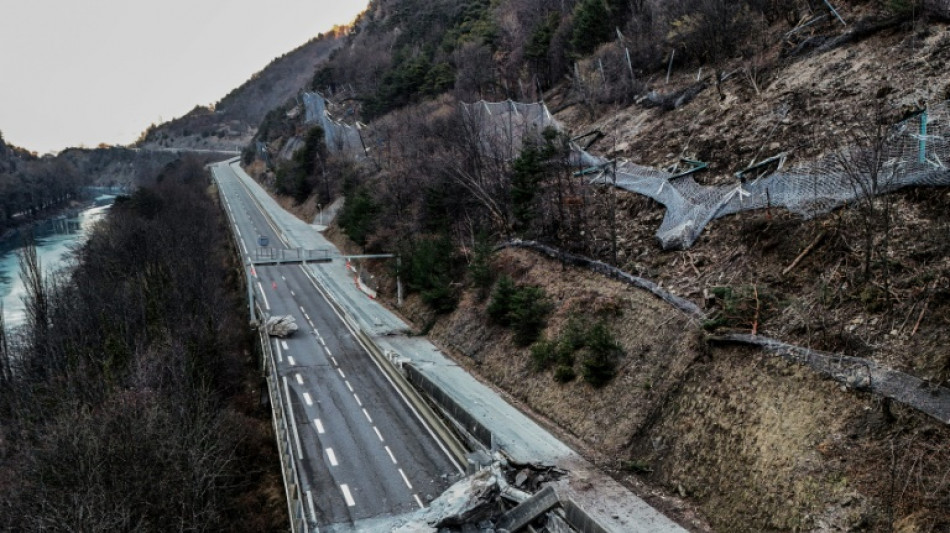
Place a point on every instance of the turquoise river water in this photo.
(56, 241)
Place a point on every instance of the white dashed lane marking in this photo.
(347, 496)
(404, 478)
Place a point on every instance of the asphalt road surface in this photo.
(361, 450)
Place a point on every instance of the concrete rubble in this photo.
(280, 325)
(484, 501)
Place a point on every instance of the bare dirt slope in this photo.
(808, 105)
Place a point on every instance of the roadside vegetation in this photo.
(129, 400)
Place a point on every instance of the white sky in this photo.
(88, 71)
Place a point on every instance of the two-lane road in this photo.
(362, 451)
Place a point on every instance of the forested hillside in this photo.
(33, 187)
(734, 435)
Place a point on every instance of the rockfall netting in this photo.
(340, 138)
(502, 127)
(913, 152)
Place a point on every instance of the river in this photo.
(56, 240)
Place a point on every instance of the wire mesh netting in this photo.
(340, 138)
(913, 152)
(502, 127)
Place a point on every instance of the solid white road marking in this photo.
(293, 425)
(416, 496)
(391, 456)
(313, 510)
(261, 287)
(307, 398)
(332, 457)
(299, 379)
(319, 424)
(378, 434)
(367, 416)
(347, 496)
(290, 359)
(284, 344)
(404, 478)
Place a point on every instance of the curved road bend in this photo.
(362, 452)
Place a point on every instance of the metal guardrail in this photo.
(280, 410)
(284, 429)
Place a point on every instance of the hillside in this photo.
(231, 123)
(723, 436)
(33, 187)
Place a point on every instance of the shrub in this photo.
(600, 352)
(500, 302)
(599, 364)
(592, 26)
(430, 270)
(543, 354)
(564, 374)
(480, 266)
(358, 215)
(528, 314)
(522, 308)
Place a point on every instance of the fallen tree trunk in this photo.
(859, 373)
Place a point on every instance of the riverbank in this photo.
(72, 209)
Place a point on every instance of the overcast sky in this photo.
(88, 71)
